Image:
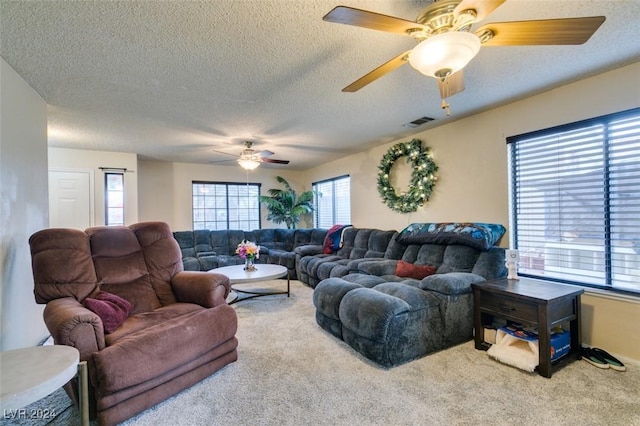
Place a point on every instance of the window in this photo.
(114, 198)
(332, 201)
(220, 205)
(575, 197)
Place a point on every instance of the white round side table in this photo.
(28, 375)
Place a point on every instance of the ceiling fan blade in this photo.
(482, 7)
(375, 21)
(451, 85)
(273, 160)
(543, 32)
(265, 153)
(378, 72)
(225, 153)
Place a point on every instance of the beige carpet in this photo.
(291, 372)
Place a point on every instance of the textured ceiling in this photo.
(173, 80)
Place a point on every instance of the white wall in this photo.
(24, 208)
(165, 188)
(78, 159)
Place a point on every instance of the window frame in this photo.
(227, 185)
(611, 172)
(108, 191)
(317, 196)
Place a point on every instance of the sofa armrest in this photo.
(309, 250)
(206, 289)
(451, 283)
(72, 324)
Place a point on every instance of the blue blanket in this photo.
(333, 240)
(481, 236)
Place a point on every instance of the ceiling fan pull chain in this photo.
(446, 107)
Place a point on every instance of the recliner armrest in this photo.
(72, 324)
(207, 289)
(309, 250)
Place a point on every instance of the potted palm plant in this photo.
(284, 205)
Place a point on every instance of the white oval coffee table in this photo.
(263, 272)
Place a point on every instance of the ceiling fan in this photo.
(250, 159)
(446, 42)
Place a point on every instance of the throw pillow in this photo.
(113, 310)
(409, 270)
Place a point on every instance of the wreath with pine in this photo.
(423, 177)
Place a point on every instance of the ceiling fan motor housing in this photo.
(439, 18)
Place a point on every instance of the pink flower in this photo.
(248, 250)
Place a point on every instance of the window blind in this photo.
(575, 197)
(332, 201)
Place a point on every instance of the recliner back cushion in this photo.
(411, 253)
(431, 254)
(120, 267)
(219, 241)
(235, 238)
(360, 243)
(284, 239)
(302, 237)
(162, 256)
(62, 265)
(458, 258)
(394, 250)
(348, 239)
(186, 242)
(378, 243)
(203, 241)
(265, 237)
(318, 236)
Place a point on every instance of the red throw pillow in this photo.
(111, 309)
(409, 270)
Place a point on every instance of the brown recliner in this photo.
(179, 331)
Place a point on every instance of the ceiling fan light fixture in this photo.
(248, 163)
(444, 54)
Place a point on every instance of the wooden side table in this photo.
(534, 303)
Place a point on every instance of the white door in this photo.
(71, 199)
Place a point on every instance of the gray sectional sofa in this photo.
(392, 296)
(203, 250)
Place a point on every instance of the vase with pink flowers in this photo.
(250, 252)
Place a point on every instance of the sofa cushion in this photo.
(113, 310)
(164, 347)
(394, 249)
(138, 292)
(202, 242)
(62, 265)
(480, 236)
(186, 242)
(411, 270)
(150, 319)
(458, 259)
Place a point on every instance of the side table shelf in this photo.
(531, 302)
